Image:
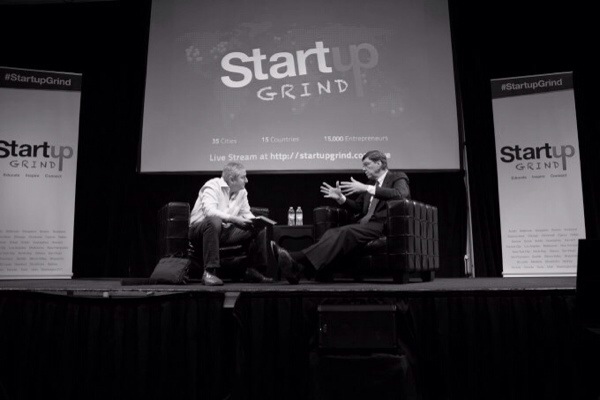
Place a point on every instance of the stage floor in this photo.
(114, 287)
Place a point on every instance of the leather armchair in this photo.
(409, 246)
(173, 226)
(174, 219)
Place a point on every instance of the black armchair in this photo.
(173, 226)
(409, 246)
(174, 219)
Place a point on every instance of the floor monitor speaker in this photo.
(357, 326)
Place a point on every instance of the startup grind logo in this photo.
(242, 69)
(544, 157)
(42, 156)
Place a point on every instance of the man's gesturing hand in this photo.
(353, 187)
(330, 192)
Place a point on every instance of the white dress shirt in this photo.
(371, 188)
(214, 199)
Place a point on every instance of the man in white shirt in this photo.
(222, 216)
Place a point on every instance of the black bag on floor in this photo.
(171, 270)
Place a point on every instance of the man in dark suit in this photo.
(370, 203)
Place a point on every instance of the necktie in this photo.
(371, 210)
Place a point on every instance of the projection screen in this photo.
(297, 85)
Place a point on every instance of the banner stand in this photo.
(39, 130)
(539, 174)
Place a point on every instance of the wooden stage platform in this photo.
(113, 286)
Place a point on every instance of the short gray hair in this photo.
(232, 171)
(376, 155)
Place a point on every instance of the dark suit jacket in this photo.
(395, 187)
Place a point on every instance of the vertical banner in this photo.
(539, 174)
(39, 126)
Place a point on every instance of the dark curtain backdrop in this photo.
(115, 216)
(513, 38)
(175, 346)
(477, 346)
(481, 345)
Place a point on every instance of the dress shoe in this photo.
(209, 279)
(290, 269)
(253, 276)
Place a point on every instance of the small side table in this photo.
(293, 238)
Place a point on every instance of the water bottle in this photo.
(299, 217)
(291, 217)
